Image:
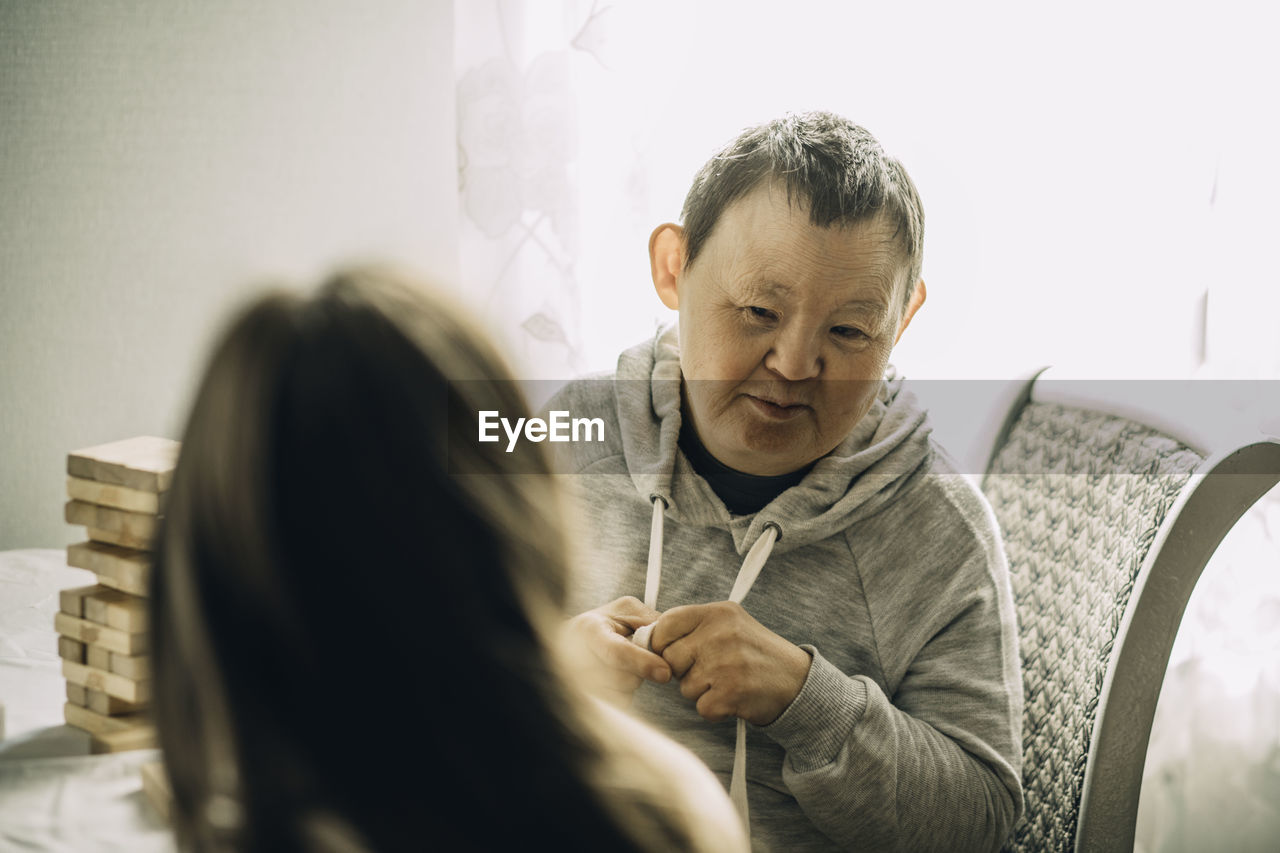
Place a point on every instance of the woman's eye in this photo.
(848, 332)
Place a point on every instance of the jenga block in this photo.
(121, 540)
(100, 635)
(155, 786)
(113, 706)
(120, 497)
(71, 601)
(116, 609)
(138, 525)
(97, 724)
(125, 569)
(137, 667)
(72, 650)
(145, 463)
(108, 682)
(77, 694)
(97, 657)
(142, 737)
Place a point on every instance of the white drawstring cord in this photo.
(653, 575)
(754, 562)
(654, 572)
(747, 575)
(751, 566)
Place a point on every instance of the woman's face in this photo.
(785, 331)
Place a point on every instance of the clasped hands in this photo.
(727, 663)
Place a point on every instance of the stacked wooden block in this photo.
(116, 492)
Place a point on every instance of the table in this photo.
(54, 795)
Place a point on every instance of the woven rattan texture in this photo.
(1079, 497)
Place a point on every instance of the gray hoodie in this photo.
(887, 569)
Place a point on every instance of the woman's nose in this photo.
(796, 354)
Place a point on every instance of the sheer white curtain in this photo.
(554, 176)
(1100, 184)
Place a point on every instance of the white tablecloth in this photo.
(54, 796)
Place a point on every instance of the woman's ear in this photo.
(666, 260)
(913, 305)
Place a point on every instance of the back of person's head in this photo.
(833, 166)
(350, 608)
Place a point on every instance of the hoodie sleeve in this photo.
(938, 765)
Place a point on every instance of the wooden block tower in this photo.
(117, 492)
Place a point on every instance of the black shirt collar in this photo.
(743, 494)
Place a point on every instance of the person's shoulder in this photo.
(687, 784)
(590, 392)
(947, 512)
(589, 407)
(959, 491)
(646, 740)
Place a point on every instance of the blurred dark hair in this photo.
(350, 613)
(829, 163)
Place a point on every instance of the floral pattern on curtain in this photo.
(518, 130)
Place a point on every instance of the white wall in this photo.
(158, 158)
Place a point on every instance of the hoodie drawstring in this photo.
(654, 573)
(747, 574)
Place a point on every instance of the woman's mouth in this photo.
(776, 411)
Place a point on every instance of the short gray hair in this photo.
(834, 165)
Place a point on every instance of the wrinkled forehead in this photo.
(769, 237)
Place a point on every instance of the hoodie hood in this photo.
(879, 458)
